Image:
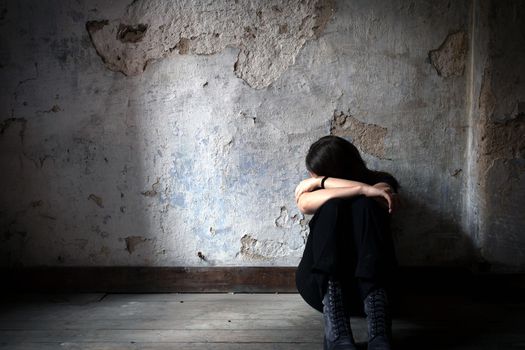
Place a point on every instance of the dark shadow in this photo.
(450, 303)
(70, 152)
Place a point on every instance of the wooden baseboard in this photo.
(151, 279)
(251, 279)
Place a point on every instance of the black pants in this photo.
(349, 239)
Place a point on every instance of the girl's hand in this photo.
(384, 193)
(307, 185)
(395, 197)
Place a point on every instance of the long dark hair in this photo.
(334, 156)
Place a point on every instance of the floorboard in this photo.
(241, 321)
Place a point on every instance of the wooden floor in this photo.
(241, 321)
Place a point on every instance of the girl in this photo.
(349, 255)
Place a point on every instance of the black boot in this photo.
(379, 320)
(338, 334)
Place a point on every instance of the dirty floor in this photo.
(242, 321)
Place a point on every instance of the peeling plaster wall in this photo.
(174, 133)
(498, 138)
(269, 34)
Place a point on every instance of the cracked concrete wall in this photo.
(269, 34)
(497, 148)
(368, 137)
(449, 58)
(174, 133)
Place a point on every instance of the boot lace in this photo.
(340, 322)
(378, 316)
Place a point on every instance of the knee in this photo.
(365, 203)
(360, 202)
(364, 200)
(334, 203)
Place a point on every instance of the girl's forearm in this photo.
(333, 182)
(309, 202)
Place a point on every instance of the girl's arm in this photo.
(309, 202)
(332, 182)
(314, 182)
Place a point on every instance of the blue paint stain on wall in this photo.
(177, 200)
(182, 180)
(247, 162)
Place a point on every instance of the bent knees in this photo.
(363, 205)
(364, 202)
(333, 205)
(336, 201)
(360, 202)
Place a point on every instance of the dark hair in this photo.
(334, 156)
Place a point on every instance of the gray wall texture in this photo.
(173, 133)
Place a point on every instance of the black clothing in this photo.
(350, 239)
